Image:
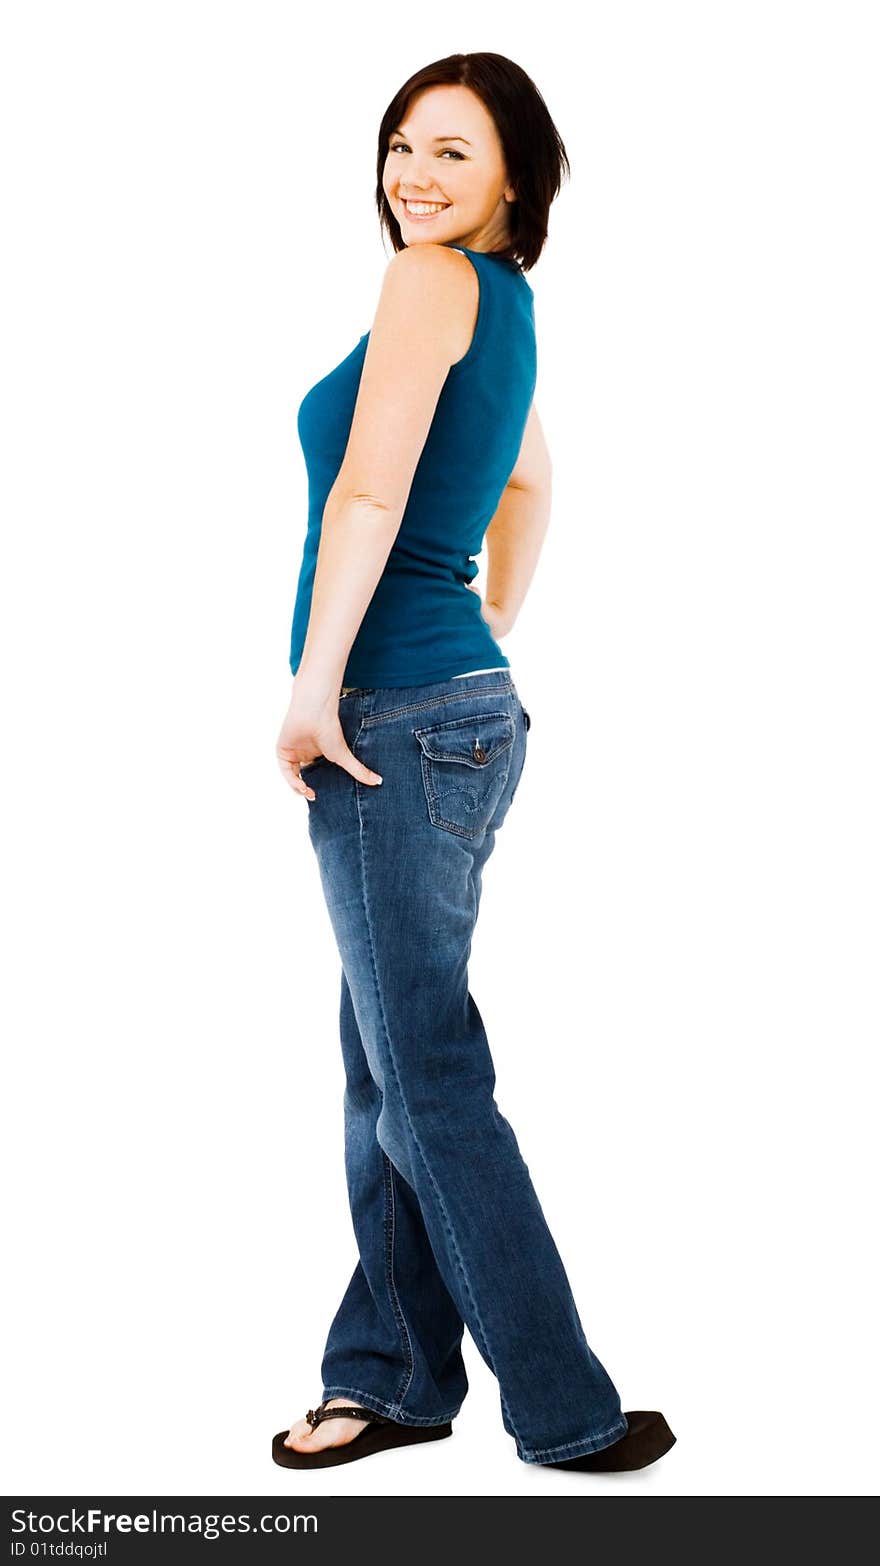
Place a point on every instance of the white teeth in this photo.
(423, 208)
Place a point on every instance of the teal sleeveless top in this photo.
(423, 622)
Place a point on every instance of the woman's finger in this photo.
(290, 771)
(349, 763)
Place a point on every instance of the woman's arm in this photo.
(424, 323)
(515, 535)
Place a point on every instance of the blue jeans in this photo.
(449, 1229)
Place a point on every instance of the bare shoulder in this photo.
(431, 261)
(434, 284)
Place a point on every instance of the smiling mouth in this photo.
(425, 209)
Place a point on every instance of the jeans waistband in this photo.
(382, 698)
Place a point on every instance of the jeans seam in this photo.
(440, 1203)
(549, 1454)
(390, 1212)
(436, 701)
(380, 1405)
(397, 1308)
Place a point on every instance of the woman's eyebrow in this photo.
(399, 132)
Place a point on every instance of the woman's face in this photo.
(448, 153)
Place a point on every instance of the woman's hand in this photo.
(311, 728)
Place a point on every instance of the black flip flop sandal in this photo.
(379, 1435)
(647, 1438)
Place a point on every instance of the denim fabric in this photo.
(449, 1229)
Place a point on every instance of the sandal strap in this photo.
(315, 1415)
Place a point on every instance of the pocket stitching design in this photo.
(432, 757)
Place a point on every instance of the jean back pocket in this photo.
(465, 765)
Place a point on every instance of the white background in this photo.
(677, 951)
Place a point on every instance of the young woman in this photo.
(406, 735)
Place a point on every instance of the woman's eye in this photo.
(401, 146)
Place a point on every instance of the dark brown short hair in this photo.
(533, 150)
